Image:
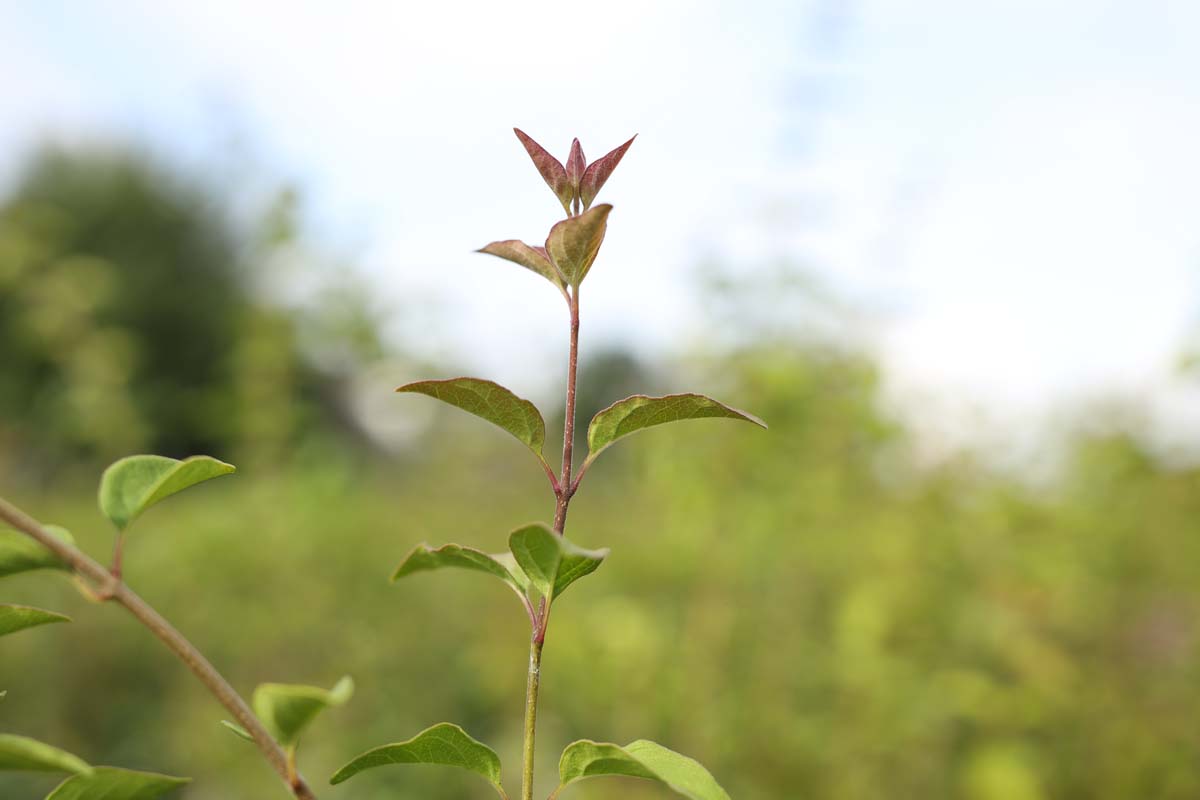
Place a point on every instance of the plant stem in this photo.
(531, 695)
(110, 587)
(564, 493)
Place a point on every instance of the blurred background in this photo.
(947, 250)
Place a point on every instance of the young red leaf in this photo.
(551, 169)
(574, 242)
(528, 256)
(597, 173)
(576, 165)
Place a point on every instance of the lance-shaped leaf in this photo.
(19, 553)
(492, 402)
(640, 759)
(532, 258)
(552, 170)
(19, 753)
(444, 744)
(110, 783)
(597, 173)
(18, 618)
(574, 243)
(639, 412)
(551, 562)
(131, 485)
(287, 709)
(501, 565)
(576, 165)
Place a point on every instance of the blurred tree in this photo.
(128, 320)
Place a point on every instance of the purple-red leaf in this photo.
(574, 242)
(597, 173)
(576, 165)
(551, 169)
(532, 258)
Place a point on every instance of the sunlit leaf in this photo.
(16, 618)
(550, 561)
(490, 401)
(110, 783)
(501, 565)
(576, 164)
(19, 753)
(640, 412)
(19, 553)
(444, 744)
(532, 258)
(133, 484)
(574, 243)
(551, 169)
(640, 759)
(597, 173)
(287, 709)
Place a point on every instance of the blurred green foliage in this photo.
(809, 611)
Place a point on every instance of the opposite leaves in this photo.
(640, 759)
(131, 485)
(444, 744)
(490, 401)
(550, 561)
(640, 412)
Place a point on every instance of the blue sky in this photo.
(1008, 187)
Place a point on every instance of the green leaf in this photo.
(237, 730)
(444, 744)
(640, 412)
(501, 565)
(490, 401)
(550, 561)
(29, 755)
(597, 173)
(529, 257)
(551, 169)
(133, 484)
(574, 243)
(287, 709)
(19, 553)
(17, 618)
(640, 759)
(110, 783)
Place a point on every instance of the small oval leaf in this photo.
(490, 401)
(529, 257)
(19, 553)
(597, 173)
(424, 558)
(287, 709)
(640, 759)
(550, 561)
(110, 783)
(551, 169)
(639, 412)
(444, 744)
(133, 484)
(22, 754)
(18, 618)
(574, 243)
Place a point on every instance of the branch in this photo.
(111, 587)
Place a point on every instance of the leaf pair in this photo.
(577, 180)
(571, 248)
(450, 745)
(538, 558)
(499, 406)
(85, 782)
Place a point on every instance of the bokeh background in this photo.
(947, 250)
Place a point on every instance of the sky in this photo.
(1007, 189)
